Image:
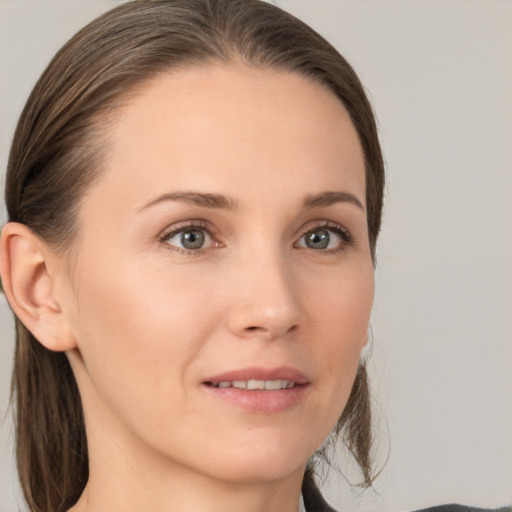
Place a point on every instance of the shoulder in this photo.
(314, 501)
(463, 508)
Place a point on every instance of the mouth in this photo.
(254, 384)
(258, 378)
(260, 390)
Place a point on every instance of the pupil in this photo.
(318, 239)
(192, 239)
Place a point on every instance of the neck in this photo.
(141, 489)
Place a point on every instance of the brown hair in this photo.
(57, 153)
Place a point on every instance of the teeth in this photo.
(257, 384)
(275, 384)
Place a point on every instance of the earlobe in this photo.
(29, 286)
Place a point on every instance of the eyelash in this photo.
(189, 226)
(338, 229)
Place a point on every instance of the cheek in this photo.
(137, 331)
(339, 327)
(340, 306)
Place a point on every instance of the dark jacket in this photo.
(314, 501)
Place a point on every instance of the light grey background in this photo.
(440, 76)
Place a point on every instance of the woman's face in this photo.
(225, 248)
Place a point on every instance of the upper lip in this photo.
(259, 373)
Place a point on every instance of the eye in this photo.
(188, 239)
(325, 238)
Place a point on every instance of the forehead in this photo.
(234, 127)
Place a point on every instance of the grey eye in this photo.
(190, 239)
(318, 239)
(322, 238)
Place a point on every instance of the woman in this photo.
(194, 195)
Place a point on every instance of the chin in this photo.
(258, 470)
(260, 460)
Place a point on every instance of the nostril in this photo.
(268, 331)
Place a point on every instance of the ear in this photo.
(29, 286)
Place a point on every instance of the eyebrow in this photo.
(198, 198)
(218, 201)
(332, 197)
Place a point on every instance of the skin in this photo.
(144, 323)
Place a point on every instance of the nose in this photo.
(265, 301)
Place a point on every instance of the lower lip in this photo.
(261, 401)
